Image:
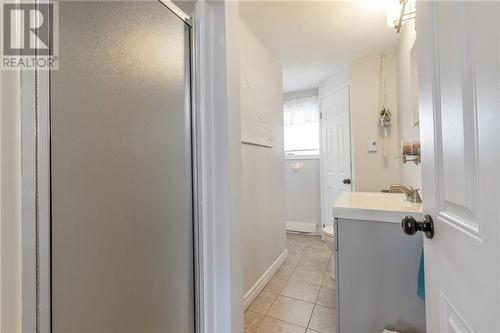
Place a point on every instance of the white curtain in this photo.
(301, 111)
(301, 118)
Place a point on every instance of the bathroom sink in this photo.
(375, 206)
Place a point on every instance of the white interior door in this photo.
(335, 149)
(458, 46)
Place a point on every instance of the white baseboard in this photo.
(319, 230)
(301, 227)
(250, 295)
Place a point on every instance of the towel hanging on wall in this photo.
(421, 277)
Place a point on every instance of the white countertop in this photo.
(375, 206)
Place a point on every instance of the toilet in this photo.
(329, 238)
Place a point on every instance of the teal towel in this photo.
(421, 278)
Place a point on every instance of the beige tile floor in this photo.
(301, 295)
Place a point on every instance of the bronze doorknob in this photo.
(411, 226)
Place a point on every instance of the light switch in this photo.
(372, 145)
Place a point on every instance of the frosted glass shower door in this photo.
(121, 183)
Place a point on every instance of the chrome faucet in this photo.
(411, 193)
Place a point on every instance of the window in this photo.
(301, 118)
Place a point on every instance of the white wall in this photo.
(262, 175)
(410, 174)
(300, 94)
(340, 78)
(370, 171)
(302, 192)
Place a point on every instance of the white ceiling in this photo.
(314, 39)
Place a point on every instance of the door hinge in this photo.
(321, 115)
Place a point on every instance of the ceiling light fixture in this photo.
(399, 12)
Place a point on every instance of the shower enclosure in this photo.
(122, 257)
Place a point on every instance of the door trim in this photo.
(217, 109)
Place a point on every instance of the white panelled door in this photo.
(335, 149)
(458, 45)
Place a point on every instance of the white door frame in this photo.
(216, 26)
(324, 220)
(216, 140)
